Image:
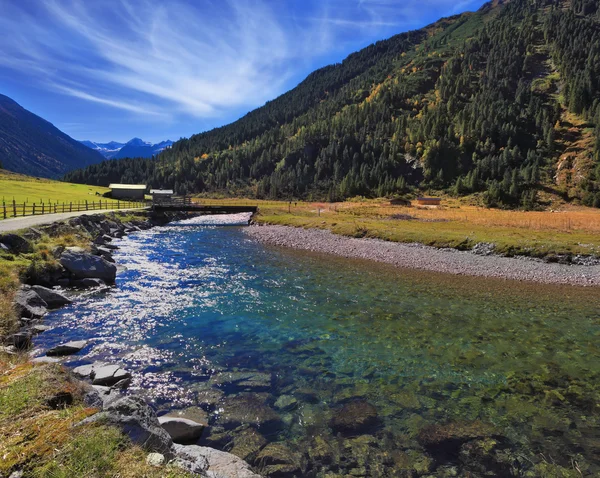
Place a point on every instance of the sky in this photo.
(107, 70)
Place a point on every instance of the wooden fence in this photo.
(15, 209)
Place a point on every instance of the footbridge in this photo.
(185, 203)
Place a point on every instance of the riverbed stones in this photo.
(83, 265)
(248, 381)
(247, 443)
(68, 348)
(248, 409)
(181, 430)
(286, 403)
(277, 459)
(209, 398)
(210, 462)
(354, 417)
(88, 283)
(138, 421)
(52, 298)
(29, 304)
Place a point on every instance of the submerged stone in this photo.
(354, 417)
(248, 409)
(277, 459)
(68, 348)
(247, 443)
(254, 381)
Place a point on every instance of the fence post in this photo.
(86, 205)
(23, 208)
(33, 210)
(71, 206)
(43, 208)
(14, 208)
(4, 207)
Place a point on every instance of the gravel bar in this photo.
(419, 256)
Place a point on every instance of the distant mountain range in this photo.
(135, 148)
(31, 145)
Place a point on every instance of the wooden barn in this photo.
(127, 191)
(429, 201)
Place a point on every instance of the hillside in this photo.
(503, 102)
(32, 145)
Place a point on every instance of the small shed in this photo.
(429, 201)
(127, 191)
(161, 195)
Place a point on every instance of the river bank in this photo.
(419, 256)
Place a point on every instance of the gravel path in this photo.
(418, 256)
(16, 223)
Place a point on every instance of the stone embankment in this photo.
(480, 262)
(167, 438)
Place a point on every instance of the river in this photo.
(346, 366)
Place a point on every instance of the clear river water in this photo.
(310, 365)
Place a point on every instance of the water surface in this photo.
(465, 375)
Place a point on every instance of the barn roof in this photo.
(127, 186)
(161, 191)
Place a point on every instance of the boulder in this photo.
(88, 283)
(21, 340)
(109, 375)
(354, 417)
(106, 395)
(155, 459)
(46, 360)
(138, 421)
(29, 304)
(210, 462)
(53, 298)
(87, 266)
(38, 328)
(68, 348)
(247, 443)
(248, 409)
(286, 403)
(16, 244)
(181, 430)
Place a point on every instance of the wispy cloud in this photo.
(200, 58)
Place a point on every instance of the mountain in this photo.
(502, 104)
(135, 148)
(33, 146)
(108, 150)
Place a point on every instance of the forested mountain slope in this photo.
(504, 101)
(33, 146)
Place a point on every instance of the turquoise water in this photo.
(383, 372)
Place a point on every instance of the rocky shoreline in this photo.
(168, 438)
(480, 263)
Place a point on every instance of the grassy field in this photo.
(30, 190)
(572, 230)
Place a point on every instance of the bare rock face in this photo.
(53, 298)
(87, 266)
(210, 462)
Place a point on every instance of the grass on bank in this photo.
(573, 230)
(39, 431)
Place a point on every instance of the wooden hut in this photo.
(127, 191)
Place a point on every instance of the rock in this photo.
(39, 328)
(87, 266)
(68, 348)
(138, 421)
(155, 459)
(354, 417)
(278, 460)
(248, 409)
(9, 350)
(321, 451)
(107, 395)
(247, 443)
(32, 234)
(53, 298)
(88, 283)
(29, 304)
(16, 244)
(75, 249)
(250, 381)
(209, 398)
(108, 375)
(46, 360)
(85, 371)
(60, 400)
(286, 403)
(57, 251)
(17, 474)
(64, 282)
(20, 340)
(181, 429)
(211, 462)
(111, 247)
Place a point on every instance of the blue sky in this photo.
(156, 69)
